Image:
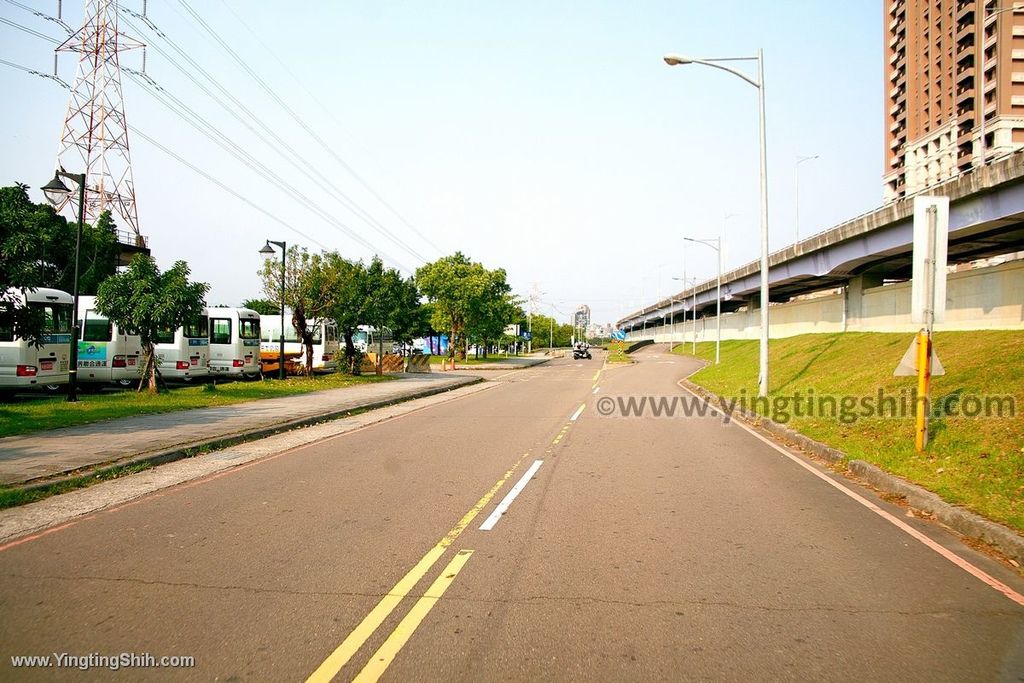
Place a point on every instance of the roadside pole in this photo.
(928, 304)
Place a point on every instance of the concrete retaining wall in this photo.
(983, 299)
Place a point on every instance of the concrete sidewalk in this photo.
(45, 455)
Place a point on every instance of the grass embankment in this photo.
(26, 416)
(975, 462)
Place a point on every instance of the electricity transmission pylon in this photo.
(94, 139)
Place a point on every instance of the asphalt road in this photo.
(639, 549)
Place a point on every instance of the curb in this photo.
(959, 519)
(190, 449)
(472, 368)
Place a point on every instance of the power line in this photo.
(296, 159)
(312, 133)
(185, 162)
(39, 14)
(224, 187)
(34, 72)
(30, 31)
(205, 127)
(334, 118)
(202, 125)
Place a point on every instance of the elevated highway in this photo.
(986, 219)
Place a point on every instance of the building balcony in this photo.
(964, 12)
(964, 95)
(964, 33)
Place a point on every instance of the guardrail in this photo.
(132, 239)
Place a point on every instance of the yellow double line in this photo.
(372, 621)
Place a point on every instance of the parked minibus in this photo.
(234, 342)
(184, 354)
(325, 340)
(368, 340)
(24, 365)
(106, 354)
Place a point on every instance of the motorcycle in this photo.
(581, 352)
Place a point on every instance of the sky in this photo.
(545, 138)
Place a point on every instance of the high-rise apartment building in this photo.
(954, 88)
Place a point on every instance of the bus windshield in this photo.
(248, 328)
(197, 327)
(96, 328)
(56, 317)
(220, 330)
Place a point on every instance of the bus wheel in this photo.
(125, 383)
(54, 388)
(252, 377)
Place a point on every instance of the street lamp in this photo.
(676, 60)
(715, 244)
(268, 251)
(800, 160)
(693, 309)
(56, 192)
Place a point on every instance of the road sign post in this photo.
(928, 302)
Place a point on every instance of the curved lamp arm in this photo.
(677, 60)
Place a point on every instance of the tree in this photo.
(344, 279)
(24, 229)
(390, 301)
(263, 306)
(98, 256)
(491, 310)
(144, 300)
(456, 286)
(305, 292)
(37, 249)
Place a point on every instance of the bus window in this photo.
(57, 317)
(249, 329)
(220, 330)
(96, 329)
(165, 336)
(197, 327)
(6, 322)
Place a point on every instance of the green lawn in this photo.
(24, 416)
(975, 462)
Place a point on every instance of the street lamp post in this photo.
(715, 244)
(800, 160)
(676, 60)
(268, 250)
(693, 308)
(56, 191)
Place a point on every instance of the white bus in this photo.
(234, 342)
(184, 353)
(325, 340)
(106, 354)
(25, 365)
(368, 340)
